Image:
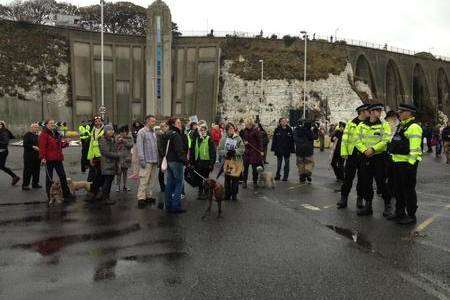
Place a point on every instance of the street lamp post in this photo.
(102, 108)
(305, 38)
(262, 76)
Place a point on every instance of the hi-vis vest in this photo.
(202, 149)
(406, 145)
(94, 148)
(83, 130)
(349, 138)
(375, 136)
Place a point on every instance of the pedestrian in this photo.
(406, 153)
(264, 137)
(322, 138)
(84, 132)
(283, 146)
(428, 134)
(216, 134)
(331, 129)
(147, 151)
(5, 137)
(94, 157)
(304, 149)
(254, 154)
(352, 157)
(51, 155)
(374, 135)
(232, 148)
(202, 157)
(176, 159)
(135, 129)
(337, 162)
(31, 161)
(124, 143)
(436, 140)
(161, 141)
(446, 141)
(109, 163)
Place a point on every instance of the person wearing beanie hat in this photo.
(352, 157)
(406, 153)
(109, 159)
(374, 135)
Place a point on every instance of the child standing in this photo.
(124, 143)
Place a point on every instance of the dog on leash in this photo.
(266, 178)
(213, 190)
(78, 185)
(55, 194)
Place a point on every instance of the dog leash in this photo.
(47, 174)
(199, 175)
(254, 148)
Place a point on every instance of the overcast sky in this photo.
(422, 25)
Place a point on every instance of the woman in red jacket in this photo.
(50, 153)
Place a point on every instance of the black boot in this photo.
(387, 209)
(342, 203)
(367, 209)
(359, 202)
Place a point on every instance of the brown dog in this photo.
(213, 190)
(55, 193)
(78, 185)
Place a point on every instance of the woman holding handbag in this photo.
(232, 148)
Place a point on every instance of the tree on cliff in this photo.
(30, 58)
(35, 11)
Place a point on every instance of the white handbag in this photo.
(164, 160)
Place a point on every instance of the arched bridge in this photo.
(395, 78)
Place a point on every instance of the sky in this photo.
(420, 25)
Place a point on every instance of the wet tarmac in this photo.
(287, 243)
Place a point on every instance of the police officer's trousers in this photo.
(374, 168)
(350, 169)
(405, 188)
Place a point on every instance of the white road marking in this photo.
(310, 207)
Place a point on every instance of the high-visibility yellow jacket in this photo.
(413, 133)
(349, 137)
(374, 135)
(94, 147)
(84, 131)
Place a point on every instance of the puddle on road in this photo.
(49, 217)
(353, 235)
(55, 244)
(169, 256)
(24, 203)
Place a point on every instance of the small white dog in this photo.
(265, 178)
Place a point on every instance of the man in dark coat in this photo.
(337, 162)
(446, 140)
(304, 148)
(31, 161)
(283, 146)
(5, 136)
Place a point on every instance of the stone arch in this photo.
(395, 93)
(443, 91)
(420, 91)
(363, 72)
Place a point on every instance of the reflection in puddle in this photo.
(55, 244)
(105, 270)
(170, 256)
(355, 236)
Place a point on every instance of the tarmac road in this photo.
(286, 243)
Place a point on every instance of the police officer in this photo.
(352, 157)
(374, 135)
(84, 131)
(94, 157)
(406, 152)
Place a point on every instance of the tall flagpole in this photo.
(102, 108)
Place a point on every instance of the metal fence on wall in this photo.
(313, 36)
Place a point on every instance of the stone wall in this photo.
(241, 98)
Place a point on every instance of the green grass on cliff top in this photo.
(283, 60)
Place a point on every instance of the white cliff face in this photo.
(241, 98)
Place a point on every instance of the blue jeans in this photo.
(174, 185)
